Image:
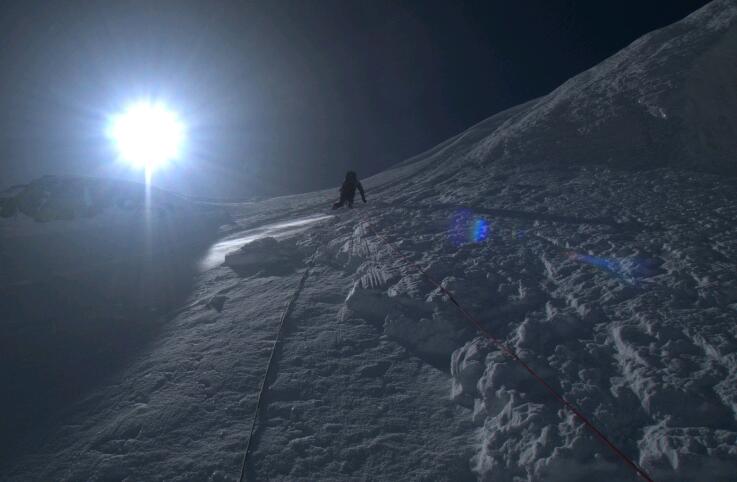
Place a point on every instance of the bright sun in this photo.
(147, 135)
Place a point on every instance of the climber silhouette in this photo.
(348, 190)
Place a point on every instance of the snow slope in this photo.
(86, 269)
(593, 230)
(666, 100)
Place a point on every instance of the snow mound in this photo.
(264, 254)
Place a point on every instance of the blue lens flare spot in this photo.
(480, 230)
(465, 227)
(611, 265)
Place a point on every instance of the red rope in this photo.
(509, 352)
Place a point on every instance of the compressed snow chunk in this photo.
(435, 337)
(375, 370)
(696, 453)
(370, 304)
(375, 277)
(263, 253)
(466, 367)
(536, 333)
(217, 302)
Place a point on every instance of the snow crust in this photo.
(569, 226)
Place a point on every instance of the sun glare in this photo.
(147, 135)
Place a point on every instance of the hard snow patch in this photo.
(217, 253)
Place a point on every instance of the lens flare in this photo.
(632, 270)
(466, 227)
(480, 230)
(147, 135)
(611, 265)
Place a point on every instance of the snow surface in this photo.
(569, 225)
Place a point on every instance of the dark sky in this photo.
(284, 96)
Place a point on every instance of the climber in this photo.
(348, 190)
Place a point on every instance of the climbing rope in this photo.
(261, 390)
(511, 353)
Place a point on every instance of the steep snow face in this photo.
(87, 267)
(616, 314)
(617, 286)
(666, 100)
